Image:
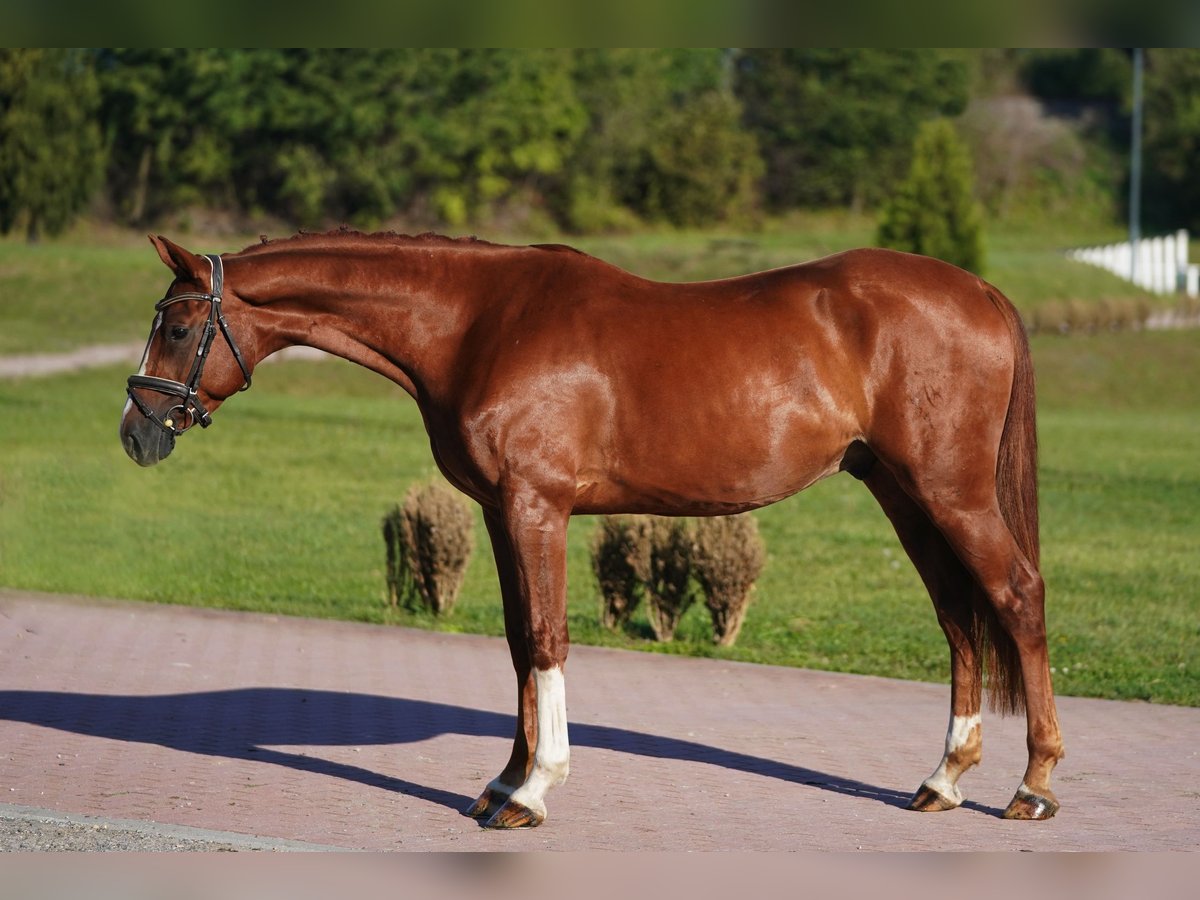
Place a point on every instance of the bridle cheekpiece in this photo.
(191, 409)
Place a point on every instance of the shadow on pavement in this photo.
(247, 723)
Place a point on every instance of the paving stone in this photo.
(370, 737)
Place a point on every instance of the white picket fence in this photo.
(1162, 263)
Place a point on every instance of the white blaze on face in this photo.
(958, 735)
(551, 757)
(145, 360)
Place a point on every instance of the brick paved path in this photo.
(371, 737)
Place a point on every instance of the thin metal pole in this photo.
(1135, 167)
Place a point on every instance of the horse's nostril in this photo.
(133, 447)
(139, 449)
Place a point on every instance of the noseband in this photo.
(191, 408)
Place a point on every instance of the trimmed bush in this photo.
(643, 556)
(664, 560)
(668, 588)
(429, 541)
(727, 557)
(621, 561)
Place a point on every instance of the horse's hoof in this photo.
(486, 805)
(1028, 805)
(926, 799)
(515, 815)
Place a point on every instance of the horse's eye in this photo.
(178, 332)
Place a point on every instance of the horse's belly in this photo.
(714, 467)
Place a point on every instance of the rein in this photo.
(192, 409)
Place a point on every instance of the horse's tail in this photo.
(1017, 492)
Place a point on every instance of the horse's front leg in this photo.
(534, 528)
(501, 787)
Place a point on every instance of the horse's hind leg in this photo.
(951, 587)
(1014, 588)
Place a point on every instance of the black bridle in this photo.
(192, 409)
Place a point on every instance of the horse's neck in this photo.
(396, 313)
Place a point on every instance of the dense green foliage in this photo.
(934, 211)
(1173, 137)
(50, 148)
(348, 134)
(836, 125)
(663, 142)
(448, 135)
(1082, 74)
(577, 140)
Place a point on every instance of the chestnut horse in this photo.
(552, 383)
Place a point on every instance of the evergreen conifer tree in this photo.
(934, 212)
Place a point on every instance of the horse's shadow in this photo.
(248, 723)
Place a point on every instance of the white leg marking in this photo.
(960, 730)
(551, 757)
(958, 734)
(496, 786)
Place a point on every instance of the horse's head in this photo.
(187, 372)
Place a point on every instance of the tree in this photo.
(836, 126)
(1172, 135)
(698, 167)
(348, 134)
(933, 211)
(168, 147)
(51, 155)
(503, 121)
(1077, 75)
(664, 142)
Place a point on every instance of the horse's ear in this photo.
(183, 263)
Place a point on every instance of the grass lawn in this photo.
(100, 288)
(59, 296)
(277, 508)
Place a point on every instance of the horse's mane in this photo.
(345, 236)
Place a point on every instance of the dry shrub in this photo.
(664, 559)
(668, 588)
(643, 556)
(727, 557)
(1029, 160)
(1087, 317)
(1080, 316)
(429, 541)
(1049, 318)
(1126, 313)
(621, 561)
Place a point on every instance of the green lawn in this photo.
(59, 296)
(277, 508)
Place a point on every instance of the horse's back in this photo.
(711, 397)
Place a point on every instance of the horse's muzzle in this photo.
(145, 442)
